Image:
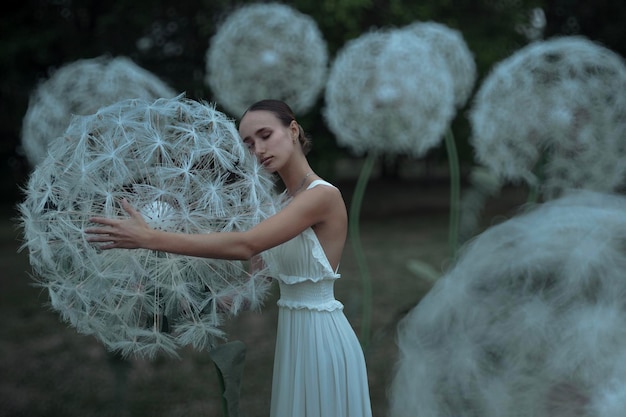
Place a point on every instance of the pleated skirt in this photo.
(319, 367)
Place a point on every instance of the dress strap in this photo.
(318, 182)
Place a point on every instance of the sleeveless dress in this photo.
(319, 367)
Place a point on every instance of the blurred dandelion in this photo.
(182, 165)
(390, 92)
(267, 50)
(554, 116)
(81, 88)
(451, 46)
(528, 322)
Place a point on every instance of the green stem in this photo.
(220, 380)
(533, 194)
(534, 189)
(455, 192)
(355, 238)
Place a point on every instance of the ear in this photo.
(294, 130)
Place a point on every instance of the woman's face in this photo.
(266, 137)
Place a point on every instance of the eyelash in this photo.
(264, 136)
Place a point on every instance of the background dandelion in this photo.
(529, 322)
(182, 165)
(554, 116)
(451, 46)
(388, 92)
(266, 50)
(81, 88)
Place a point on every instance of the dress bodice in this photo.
(303, 271)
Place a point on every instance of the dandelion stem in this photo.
(535, 187)
(355, 238)
(220, 380)
(455, 191)
(533, 194)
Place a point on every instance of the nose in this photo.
(259, 148)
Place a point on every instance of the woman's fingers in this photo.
(127, 207)
(130, 209)
(112, 223)
(99, 238)
(117, 233)
(98, 231)
(103, 220)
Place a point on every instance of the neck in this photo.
(295, 189)
(293, 173)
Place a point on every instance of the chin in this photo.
(270, 168)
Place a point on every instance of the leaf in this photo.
(423, 270)
(229, 359)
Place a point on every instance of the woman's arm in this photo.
(307, 209)
(134, 233)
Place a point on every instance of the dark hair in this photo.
(283, 113)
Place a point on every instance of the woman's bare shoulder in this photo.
(321, 182)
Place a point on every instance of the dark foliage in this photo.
(170, 39)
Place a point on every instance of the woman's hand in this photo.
(131, 233)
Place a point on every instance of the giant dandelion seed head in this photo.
(81, 88)
(528, 322)
(555, 109)
(267, 50)
(389, 92)
(183, 165)
(449, 43)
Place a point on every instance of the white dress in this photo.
(319, 367)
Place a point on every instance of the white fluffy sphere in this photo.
(389, 92)
(554, 114)
(449, 43)
(183, 165)
(528, 322)
(266, 50)
(81, 88)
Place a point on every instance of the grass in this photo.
(48, 369)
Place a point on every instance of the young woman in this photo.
(319, 367)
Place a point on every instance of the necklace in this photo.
(301, 184)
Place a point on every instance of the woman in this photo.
(319, 368)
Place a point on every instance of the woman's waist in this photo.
(318, 295)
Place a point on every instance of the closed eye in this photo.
(264, 133)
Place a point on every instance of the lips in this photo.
(266, 161)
